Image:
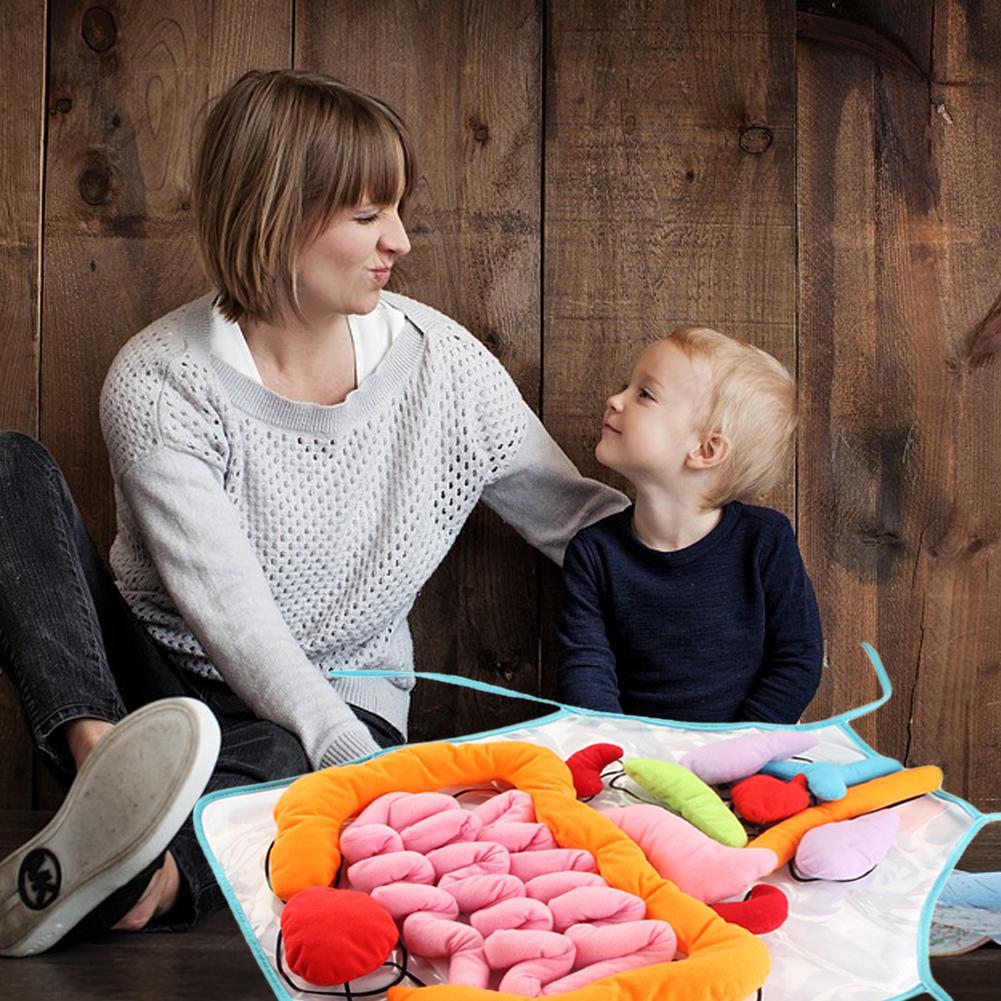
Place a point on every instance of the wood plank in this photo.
(898, 210)
(669, 192)
(130, 85)
(135, 83)
(466, 78)
(22, 115)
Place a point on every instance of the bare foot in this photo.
(83, 735)
(158, 898)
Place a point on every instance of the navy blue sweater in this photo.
(726, 629)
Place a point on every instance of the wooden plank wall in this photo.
(900, 456)
(591, 174)
(22, 75)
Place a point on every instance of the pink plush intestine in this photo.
(490, 890)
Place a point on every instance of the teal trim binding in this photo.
(481, 686)
(981, 820)
(842, 721)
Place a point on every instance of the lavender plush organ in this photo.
(848, 849)
(828, 781)
(738, 757)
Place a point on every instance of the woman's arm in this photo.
(162, 423)
(543, 496)
(212, 574)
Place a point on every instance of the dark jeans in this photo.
(74, 649)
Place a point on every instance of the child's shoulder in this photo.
(764, 521)
(609, 527)
(603, 535)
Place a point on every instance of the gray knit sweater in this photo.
(268, 542)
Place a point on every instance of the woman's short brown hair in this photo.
(281, 153)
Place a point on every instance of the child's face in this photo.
(650, 426)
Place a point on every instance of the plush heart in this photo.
(763, 910)
(763, 799)
(334, 936)
(586, 764)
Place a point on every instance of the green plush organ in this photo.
(685, 793)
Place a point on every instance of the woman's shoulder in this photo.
(148, 356)
(445, 337)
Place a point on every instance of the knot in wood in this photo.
(94, 183)
(755, 139)
(99, 29)
(492, 340)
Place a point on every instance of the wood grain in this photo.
(670, 140)
(669, 192)
(131, 82)
(466, 78)
(898, 210)
(22, 100)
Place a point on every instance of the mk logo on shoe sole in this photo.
(39, 879)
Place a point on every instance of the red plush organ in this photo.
(764, 910)
(334, 936)
(763, 799)
(586, 764)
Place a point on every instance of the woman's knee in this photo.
(21, 455)
(267, 751)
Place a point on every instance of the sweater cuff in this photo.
(354, 742)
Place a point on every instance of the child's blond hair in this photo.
(752, 404)
(281, 153)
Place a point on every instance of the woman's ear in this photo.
(709, 453)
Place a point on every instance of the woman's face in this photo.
(342, 270)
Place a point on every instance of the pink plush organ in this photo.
(456, 880)
(409, 867)
(595, 903)
(362, 841)
(518, 912)
(470, 858)
(605, 950)
(404, 899)
(377, 812)
(403, 810)
(431, 936)
(513, 805)
(596, 943)
(847, 849)
(737, 757)
(441, 829)
(517, 836)
(475, 892)
(527, 865)
(552, 884)
(535, 958)
(698, 865)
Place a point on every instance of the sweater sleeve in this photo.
(793, 649)
(587, 672)
(170, 475)
(544, 497)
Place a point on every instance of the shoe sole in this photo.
(127, 802)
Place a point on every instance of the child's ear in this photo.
(709, 452)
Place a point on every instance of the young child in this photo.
(693, 604)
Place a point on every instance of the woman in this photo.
(293, 455)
